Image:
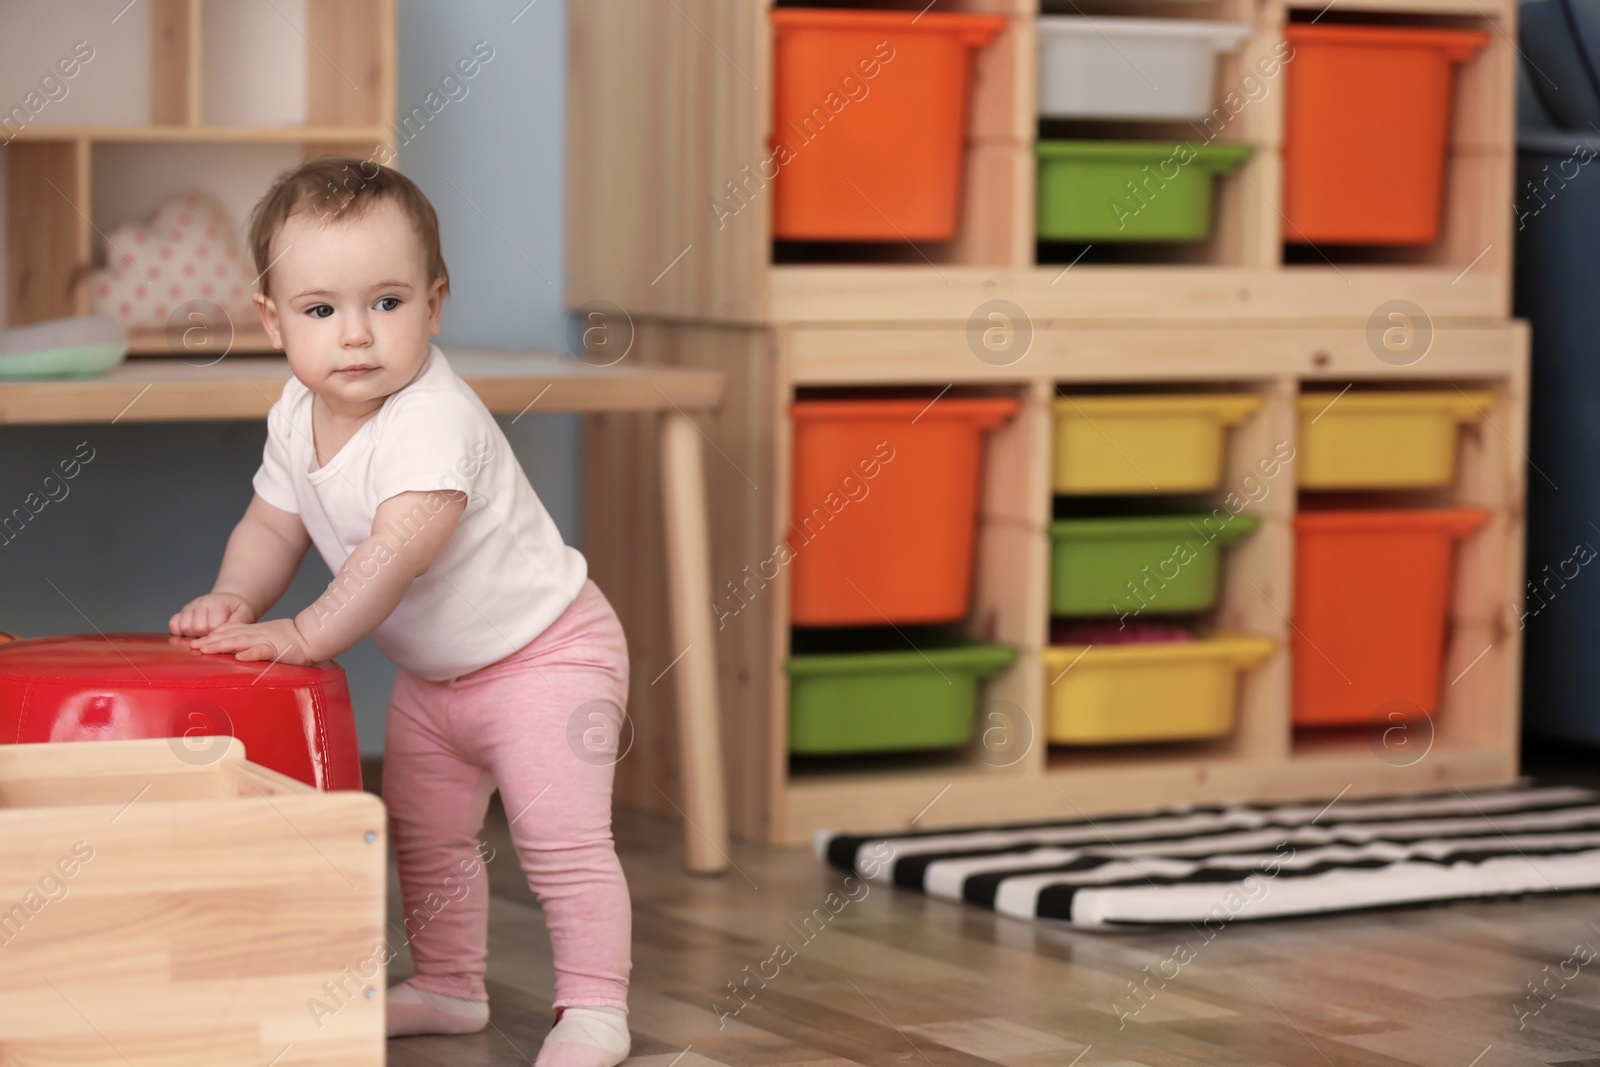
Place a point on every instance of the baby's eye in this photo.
(316, 310)
(389, 303)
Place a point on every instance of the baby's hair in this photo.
(337, 189)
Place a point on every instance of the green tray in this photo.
(80, 346)
(1094, 562)
(80, 361)
(1101, 191)
(887, 701)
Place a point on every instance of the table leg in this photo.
(683, 485)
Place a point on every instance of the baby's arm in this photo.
(408, 533)
(264, 552)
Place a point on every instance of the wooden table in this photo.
(510, 382)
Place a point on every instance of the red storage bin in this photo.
(1366, 131)
(885, 508)
(90, 687)
(1371, 604)
(870, 122)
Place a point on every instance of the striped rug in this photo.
(1249, 861)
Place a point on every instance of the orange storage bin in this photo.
(1366, 131)
(1371, 603)
(885, 508)
(870, 121)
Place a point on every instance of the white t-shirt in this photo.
(503, 576)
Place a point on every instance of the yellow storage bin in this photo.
(1160, 691)
(1144, 444)
(1383, 440)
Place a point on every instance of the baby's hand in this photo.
(276, 639)
(203, 614)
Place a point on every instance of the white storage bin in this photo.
(1092, 67)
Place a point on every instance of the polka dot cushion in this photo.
(186, 251)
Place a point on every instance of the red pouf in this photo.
(91, 687)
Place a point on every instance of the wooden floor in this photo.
(896, 979)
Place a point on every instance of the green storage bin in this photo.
(1096, 564)
(1103, 191)
(887, 701)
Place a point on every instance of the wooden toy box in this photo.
(163, 903)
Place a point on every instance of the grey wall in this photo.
(143, 526)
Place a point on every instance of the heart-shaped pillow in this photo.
(185, 251)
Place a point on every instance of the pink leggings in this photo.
(543, 724)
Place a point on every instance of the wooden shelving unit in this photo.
(52, 231)
(669, 104)
(708, 131)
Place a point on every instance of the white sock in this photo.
(587, 1036)
(444, 1002)
(418, 1011)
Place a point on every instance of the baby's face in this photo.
(351, 305)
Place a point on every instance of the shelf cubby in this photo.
(238, 87)
(1475, 233)
(1482, 656)
(1254, 571)
(1004, 602)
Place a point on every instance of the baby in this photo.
(386, 460)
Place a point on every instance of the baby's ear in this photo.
(436, 295)
(269, 317)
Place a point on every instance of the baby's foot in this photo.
(587, 1036)
(411, 1011)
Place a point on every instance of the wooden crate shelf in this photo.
(777, 800)
(53, 235)
(651, 150)
(662, 248)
